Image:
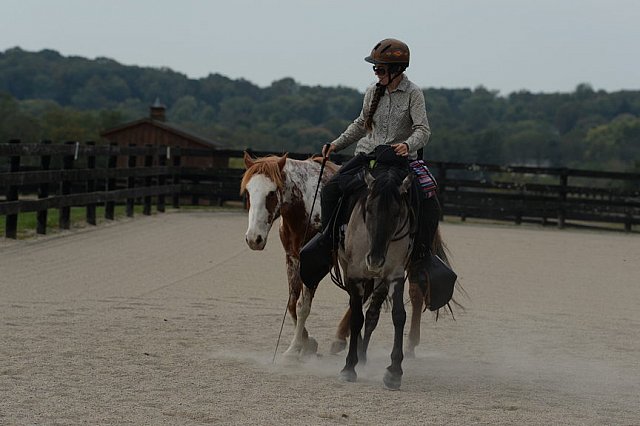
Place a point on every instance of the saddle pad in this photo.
(425, 179)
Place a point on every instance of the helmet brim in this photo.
(374, 62)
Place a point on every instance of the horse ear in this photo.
(248, 161)
(283, 160)
(368, 178)
(406, 183)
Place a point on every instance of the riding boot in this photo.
(317, 257)
(329, 204)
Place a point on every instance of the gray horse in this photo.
(374, 258)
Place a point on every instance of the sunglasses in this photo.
(379, 70)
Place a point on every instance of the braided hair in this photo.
(368, 123)
(379, 93)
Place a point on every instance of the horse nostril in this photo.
(259, 239)
(375, 265)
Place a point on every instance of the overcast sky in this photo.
(506, 45)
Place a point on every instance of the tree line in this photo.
(44, 95)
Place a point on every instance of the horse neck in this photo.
(297, 191)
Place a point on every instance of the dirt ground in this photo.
(173, 320)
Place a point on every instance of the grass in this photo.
(236, 163)
(28, 222)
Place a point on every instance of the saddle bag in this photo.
(441, 282)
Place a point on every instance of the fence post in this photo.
(176, 180)
(91, 183)
(64, 221)
(43, 192)
(564, 178)
(162, 179)
(518, 218)
(195, 197)
(110, 184)
(148, 162)
(11, 223)
(131, 182)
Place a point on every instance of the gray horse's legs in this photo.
(393, 375)
(348, 373)
(372, 317)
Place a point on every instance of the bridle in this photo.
(404, 224)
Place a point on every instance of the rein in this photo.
(406, 221)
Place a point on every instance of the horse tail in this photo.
(440, 248)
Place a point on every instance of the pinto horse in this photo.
(374, 258)
(283, 187)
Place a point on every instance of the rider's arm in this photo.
(356, 130)
(420, 128)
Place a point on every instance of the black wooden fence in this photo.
(40, 177)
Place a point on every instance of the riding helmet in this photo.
(389, 51)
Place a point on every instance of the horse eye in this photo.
(272, 201)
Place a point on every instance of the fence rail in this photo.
(44, 176)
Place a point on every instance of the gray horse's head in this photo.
(386, 214)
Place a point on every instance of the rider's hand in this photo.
(328, 149)
(401, 149)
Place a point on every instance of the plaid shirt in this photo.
(401, 117)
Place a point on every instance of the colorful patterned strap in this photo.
(425, 178)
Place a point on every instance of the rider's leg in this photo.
(428, 217)
(333, 190)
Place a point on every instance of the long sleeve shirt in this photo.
(401, 117)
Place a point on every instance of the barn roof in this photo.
(171, 128)
(157, 119)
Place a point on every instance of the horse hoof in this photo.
(348, 375)
(310, 347)
(391, 380)
(338, 346)
(292, 354)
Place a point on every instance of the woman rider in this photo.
(393, 113)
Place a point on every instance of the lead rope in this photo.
(284, 317)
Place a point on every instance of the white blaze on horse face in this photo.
(264, 209)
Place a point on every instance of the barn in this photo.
(155, 130)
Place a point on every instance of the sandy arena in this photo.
(173, 320)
